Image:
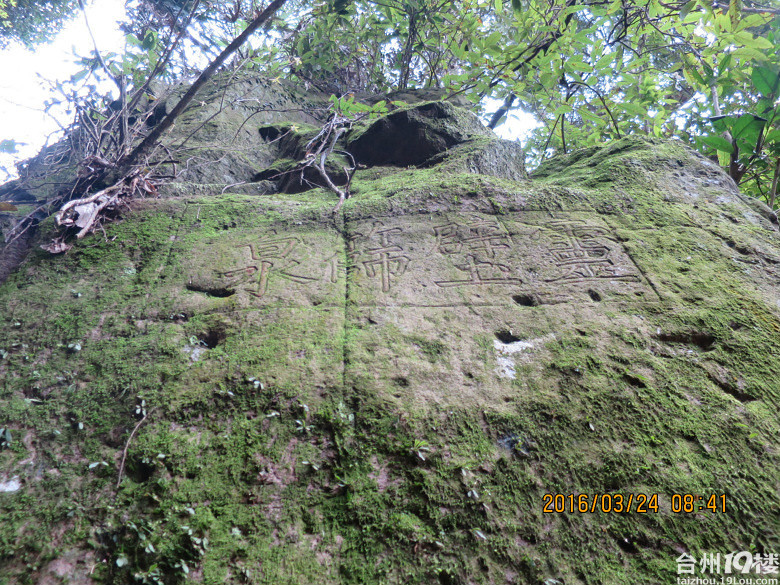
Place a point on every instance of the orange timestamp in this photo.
(627, 503)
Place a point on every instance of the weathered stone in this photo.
(411, 136)
(493, 157)
(394, 394)
(414, 96)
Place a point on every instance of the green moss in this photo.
(280, 453)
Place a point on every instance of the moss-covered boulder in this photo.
(460, 378)
(412, 135)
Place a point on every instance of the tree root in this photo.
(87, 213)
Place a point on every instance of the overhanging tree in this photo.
(589, 70)
(32, 21)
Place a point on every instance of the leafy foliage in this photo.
(31, 22)
(588, 70)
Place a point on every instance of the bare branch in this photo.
(150, 141)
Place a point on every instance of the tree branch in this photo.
(149, 142)
(716, 5)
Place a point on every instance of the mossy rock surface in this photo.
(412, 135)
(390, 394)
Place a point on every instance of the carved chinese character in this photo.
(472, 247)
(271, 258)
(482, 272)
(581, 253)
(480, 236)
(386, 261)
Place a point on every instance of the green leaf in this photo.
(747, 127)
(772, 136)
(605, 61)
(750, 53)
(745, 147)
(79, 75)
(724, 63)
(633, 109)
(765, 81)
(723, 123)
(590, 117)
(578, 65)
(707, 71)
(686, 9)
(696, 75)
(718, 143)
(493, 40)
(9, 146)
(150, 40)
(748, 40)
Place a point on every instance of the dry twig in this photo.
(127, 446)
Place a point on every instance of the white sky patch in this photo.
(518, 124)
(23, 75)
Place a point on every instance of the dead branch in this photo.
(319, 148)
(127, 446)
(151, 140)
(85, 213)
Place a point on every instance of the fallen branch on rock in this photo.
(85, 213)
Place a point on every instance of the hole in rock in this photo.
(627, 546)
(594, 295)
(446, 578)
(212, 291)
(732, 389)
(401, 381)
(736, 393)
(526, 300)
(635, 381)
(505, 336)
(270, 132)
(509, 441)
(701, 339)
(157, 115)
(139, 471)
(741, 248)
(213, 337)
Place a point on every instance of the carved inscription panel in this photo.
(481, 259)
(449, 259)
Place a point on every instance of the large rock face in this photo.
(397, 393)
